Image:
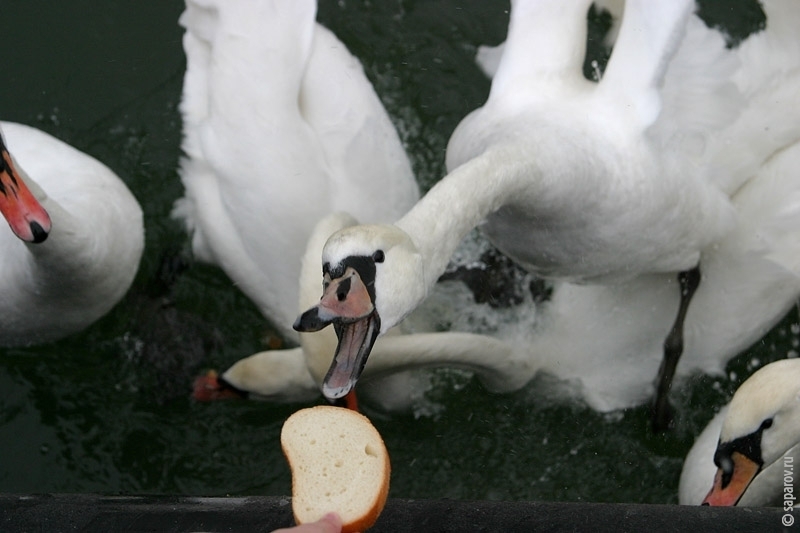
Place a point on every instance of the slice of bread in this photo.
(339, 464)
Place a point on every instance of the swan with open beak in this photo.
(363, 296)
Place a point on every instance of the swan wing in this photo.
(371, 176)
(544, 50)
(649, 35)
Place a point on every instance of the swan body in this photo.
(622, 183)
(752, 278)
(296, 374)
(281, 127)
(751, 440)
(75, 253)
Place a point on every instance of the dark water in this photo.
(109, 410)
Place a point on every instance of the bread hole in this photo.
(370, 450)
(338, 463)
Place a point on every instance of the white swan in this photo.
(74, 240)
(752, 280)
(621, 325)
(753, 441)
(281, 127)
(621, 182)
(296, 374)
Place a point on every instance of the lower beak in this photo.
(347, 305)
(356, 340)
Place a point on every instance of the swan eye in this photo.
(766, 424)
(378, 256)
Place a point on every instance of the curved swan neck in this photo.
(458, 203)
(69, 259)
(491, 359)
(67, 240)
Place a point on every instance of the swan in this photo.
(752, 278)
(610, 185)
(606, 340)
(74, 240)
(622, 324)
(296, 374)
(751, 440)
(280, 128)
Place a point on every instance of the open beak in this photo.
(345, 303)
(27, 218)
(728, 490)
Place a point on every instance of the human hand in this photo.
(330, 523)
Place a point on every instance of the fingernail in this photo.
(333, 518)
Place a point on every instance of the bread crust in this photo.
(346, 420)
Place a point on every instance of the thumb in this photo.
(331, 523)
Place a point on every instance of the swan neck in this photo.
(493, 360)
(456, 204)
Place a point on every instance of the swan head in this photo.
(25, 215)
(762, 424)
(372, 278)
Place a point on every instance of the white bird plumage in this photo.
(624, 182)
(771, 394)
(87, 263)
(295, 374)
(281, 127)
